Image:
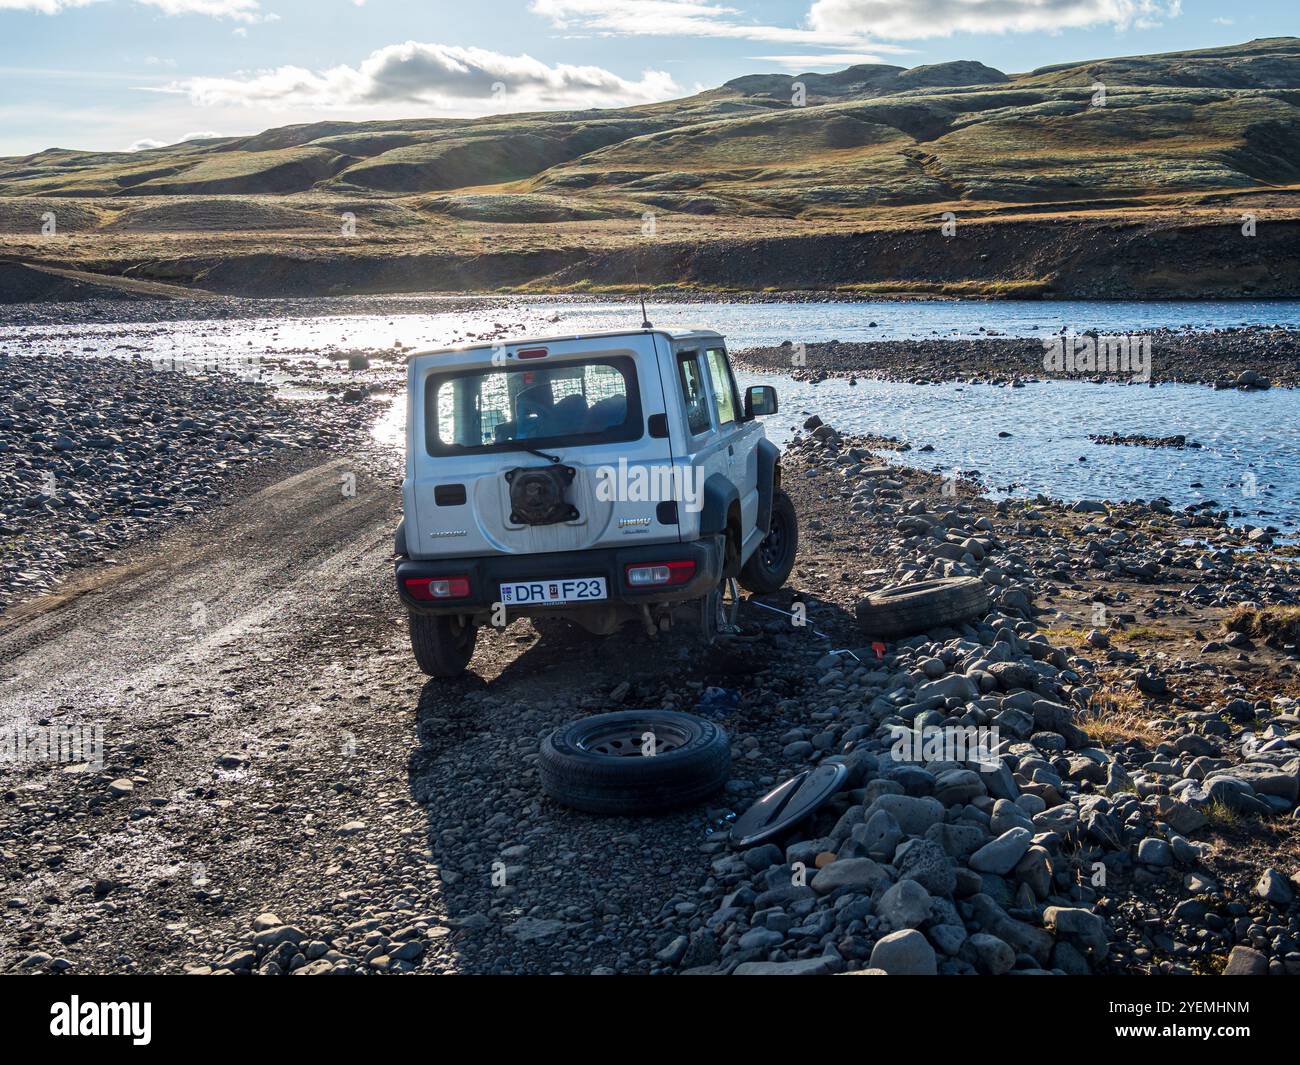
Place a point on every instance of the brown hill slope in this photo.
(1176, 141)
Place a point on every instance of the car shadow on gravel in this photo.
(530, 886)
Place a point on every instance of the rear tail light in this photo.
(432, 588)
(531, 353)
(659, 574)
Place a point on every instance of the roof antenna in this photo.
(645, 321)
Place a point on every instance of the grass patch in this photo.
(1118, 716)
(1223, 818)
(1278, 624)
(992, 289)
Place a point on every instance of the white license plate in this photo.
(568, 590)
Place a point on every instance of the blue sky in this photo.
(113, 74)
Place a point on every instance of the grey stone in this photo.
(957, 841)
(948, 938)
(1179, 815)
(1083, 927)
(1001, 855)
(1274, 887)
(905, 905)
(953, 686)
(992, 956)
(1155, 852)
(1007, 815)
(914, 814)
(757, 939)
(880, 835)
(925, 862)
(1244, 961)
(805, 967)
(958, 786)
(857, 874)
(904, 953)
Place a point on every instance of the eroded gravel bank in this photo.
(1266, 356)
(96, 454)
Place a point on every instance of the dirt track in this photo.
(222, 641)
(253, 679)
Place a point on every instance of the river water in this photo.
(1249, 461)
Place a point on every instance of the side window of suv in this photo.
(724, 387)
(693, 394)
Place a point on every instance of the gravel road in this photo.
(281, 791)
(270, 748)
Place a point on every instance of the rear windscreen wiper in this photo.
(516, 445)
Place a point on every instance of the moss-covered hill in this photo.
(872, 158)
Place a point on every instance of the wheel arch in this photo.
(769, 480)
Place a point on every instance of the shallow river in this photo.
(1250, 459)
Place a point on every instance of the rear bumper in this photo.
(485, 575)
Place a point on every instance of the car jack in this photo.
(731, 608)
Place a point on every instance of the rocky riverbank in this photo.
(98, 453)
(1136, 663)
(1248, 358)
(1147, 781)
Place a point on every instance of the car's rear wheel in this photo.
(710, 615)
(443, 644)
(769, 566)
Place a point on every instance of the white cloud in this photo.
(832, 60)
(43, 7)
(914, 19)
(242, 10)
(848, 23)
(145, 143)
(434, 75)
(680, 18)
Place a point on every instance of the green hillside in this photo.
(1166, 139)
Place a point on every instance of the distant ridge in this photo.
(1168, 141)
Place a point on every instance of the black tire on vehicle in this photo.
(770, 565)
(923, 605)
(710, 612)
(599, 765)
(443, 644)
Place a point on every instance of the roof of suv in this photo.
(672, 334)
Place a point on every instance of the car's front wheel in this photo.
(443, 644)
(769, 567)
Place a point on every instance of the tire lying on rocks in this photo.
(634, 762)
(923, 605)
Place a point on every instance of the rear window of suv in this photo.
(590, 401)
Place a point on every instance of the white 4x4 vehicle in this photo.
(602, 478)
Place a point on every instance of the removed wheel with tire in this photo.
(923, 605)
(634, 762)
(769, 567)
(443, 643)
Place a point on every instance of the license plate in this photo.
(568, 590)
